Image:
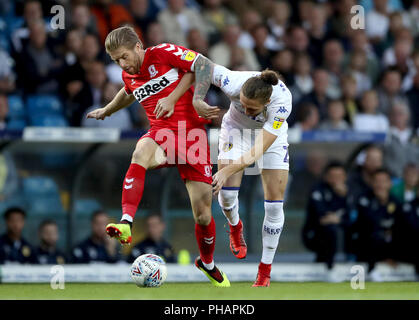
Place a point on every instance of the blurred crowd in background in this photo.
(341, 78)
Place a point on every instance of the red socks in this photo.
(205, 236)
(132, 191)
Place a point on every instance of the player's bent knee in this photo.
(228, 198)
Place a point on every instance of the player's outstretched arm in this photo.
(262, 142)
(120, 101)
(203, 75)
(167, 105)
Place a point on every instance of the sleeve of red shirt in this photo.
(176, 56)
(126, 87)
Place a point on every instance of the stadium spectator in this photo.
(154, 242)
(377, 22)
(155, 34)
(303, 83)
(91, 50)
(317, 32)
(297, 39)
(4, 111)
(401, 146)
(249, 19)
(197, 42)
(283, 62)
(216, 18)
(90, 94)
(333, 63)
(304, 179)
(335, 117)
(369, 161)
(110, 15)
(9, 177)
(13, 247)
(120, 120)
(38, 65)
(82, 20)
(98, 247)
(177, 19)
(278, 20)
(7, 74)
(406, 189)
(327, 211)
(389, 90)
(304, 9)
(374, 225)
(358, 69)
(413, 98)
(142, 13)
(368, 119)
(318, 96)
(262, 50)
(47, 251)
(406, 233)
(307, 119)
(228, 53)
(349, 96)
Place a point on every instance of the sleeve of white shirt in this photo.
(278, 112)
(230, 82)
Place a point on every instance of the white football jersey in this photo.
(273, 119)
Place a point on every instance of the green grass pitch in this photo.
(204, 291)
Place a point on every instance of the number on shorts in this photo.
(286, 155)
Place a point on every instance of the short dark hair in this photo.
(382, 170)
(334, 164)
(97, 213)
(45, 223)
(12, 210)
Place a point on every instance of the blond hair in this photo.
(122, 37)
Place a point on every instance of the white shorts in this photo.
(233, 143)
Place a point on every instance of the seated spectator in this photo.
(358, 69)
(91, 93)
(369, 161)
(120, 120)
(406, 233)
(377, 22)
(335, 117)
(297, 40)
(197, 42)
(368, 119)
(262, 48)
(303, 83)
(327, 210)
(143, 16)
(13, 247)
(318, 32)
(47, 252)
(278, 20)
(333, 56)
(283, 62)
(389, 90)
(38, 66)
(4, 111)
(413, 98)
(249, 19)
(374, 225)
(216, 17)
(155, 35)
(98, 247)
(406, 189)
(227, 51)
(110, 15)
(82, 20)
(7, 74)
(349, 97)
(9, 177)
(318, 96)
(400, 122)
(154, 242)
(177, 20)
(307, 120)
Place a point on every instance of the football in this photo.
(148, 270)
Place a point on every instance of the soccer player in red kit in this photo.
(176, 137)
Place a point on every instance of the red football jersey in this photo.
(163, 67)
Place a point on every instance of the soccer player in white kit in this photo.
(259, 100)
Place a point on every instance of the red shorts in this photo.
(187, 149)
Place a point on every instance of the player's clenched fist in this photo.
(98, 114)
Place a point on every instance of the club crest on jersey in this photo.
(188, 55)
(277, 123)
(227, 146)
(152, 70)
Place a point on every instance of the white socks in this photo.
(271, 229)
(228, 198)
